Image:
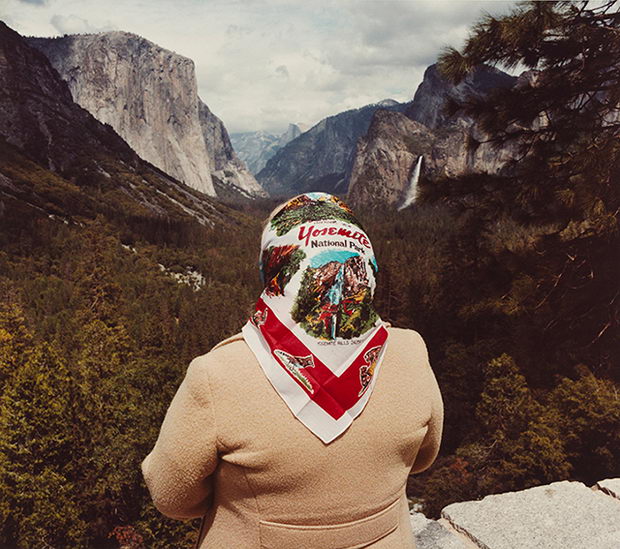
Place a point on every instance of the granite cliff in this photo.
(385, 158)
(149, 96)
(230, 174)
(433, 92)
(370, 153)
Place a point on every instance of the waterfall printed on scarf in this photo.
(314, 330)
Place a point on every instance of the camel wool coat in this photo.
(230, 451)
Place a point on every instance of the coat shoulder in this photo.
(228, 341)
(230, 345)
(404, 333)
(407, 340)
(231, 351)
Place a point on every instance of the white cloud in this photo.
(261, 64)
(72, 24)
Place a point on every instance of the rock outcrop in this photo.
(149, 96)
(610, 486)
(226, 166)
(554, 516)
(319, 158)
(385, 159)
(432, 534)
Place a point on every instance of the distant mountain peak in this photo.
(319, 158)
(387, 103)
(256, 148)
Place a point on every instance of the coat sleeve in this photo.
(432, 440)
(178, 470)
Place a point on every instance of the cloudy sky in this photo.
(261, 64)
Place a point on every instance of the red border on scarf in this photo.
(334, 394)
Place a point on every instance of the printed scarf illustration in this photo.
(314, 330)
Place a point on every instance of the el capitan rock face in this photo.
(149, 96)
(38, 115)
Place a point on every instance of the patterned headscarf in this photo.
(314, 330)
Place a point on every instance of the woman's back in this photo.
(231, 451)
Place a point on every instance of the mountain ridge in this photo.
(450, 143)
(319, 158)
(327, 156)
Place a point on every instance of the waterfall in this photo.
(412, 190)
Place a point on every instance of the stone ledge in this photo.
(433, 534)
(610, 486)
(560, 515)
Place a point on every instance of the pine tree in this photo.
(565, 112)
(565, 116)
(38, 486)
(15, 338)
(586, 414)
(106, 419)
(517, 447)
